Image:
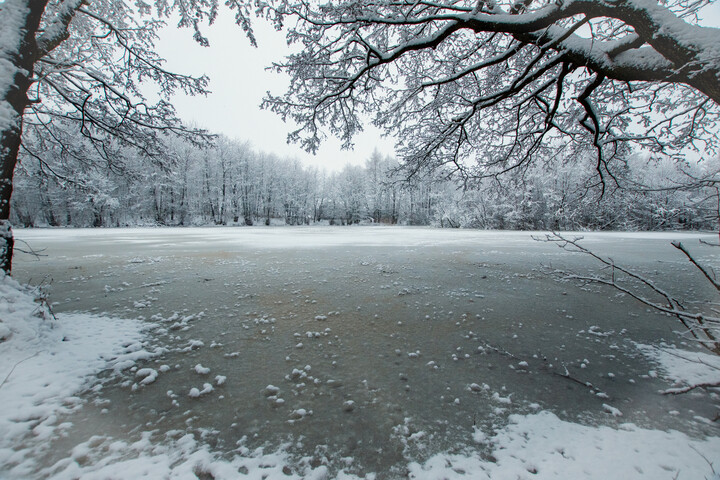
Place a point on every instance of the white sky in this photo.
(239, 81)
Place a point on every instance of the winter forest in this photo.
(525, 285)
(231, 184)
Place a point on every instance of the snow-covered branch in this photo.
(57, 29)
(460, 83)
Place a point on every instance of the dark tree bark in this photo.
(16, 96)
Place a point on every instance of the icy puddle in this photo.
(360, 349)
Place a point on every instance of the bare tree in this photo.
(482, 87)
(83, 62)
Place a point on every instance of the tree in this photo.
(479, 88)
(83, 62)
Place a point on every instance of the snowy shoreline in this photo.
(45, 363)
(318, 236)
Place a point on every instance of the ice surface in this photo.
(438, 350)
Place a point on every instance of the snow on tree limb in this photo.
(57, 29)
(481, 88)
(710, 277)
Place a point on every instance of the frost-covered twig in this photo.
(704, 328)
(501, 351)
(41, 297)
(711, 278)
(565, 374)
(689, 388)
(589, 385)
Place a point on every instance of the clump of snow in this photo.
(478, 435)
(612, 410)
(44, 362)
(271, 390)
(595, 330)
(192, 345)
(195, 392)
(504, 400)
(479, 388)
(148, 375)
(299, 414)
(201, 370)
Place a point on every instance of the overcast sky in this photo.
(238, 81)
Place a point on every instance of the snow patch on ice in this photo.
(148, 375)
(683, 367)
(612, 410)
(544, 447)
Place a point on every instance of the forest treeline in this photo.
(232, 184)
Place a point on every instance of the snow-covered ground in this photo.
(319, 236)
(183, 385)
(45, 365)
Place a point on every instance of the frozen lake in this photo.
(385, 345)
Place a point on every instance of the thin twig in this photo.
(711, 278)
(18, 363)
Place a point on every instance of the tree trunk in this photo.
(172, 205)
(223, 194)
(20, 23)
(183, 193)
